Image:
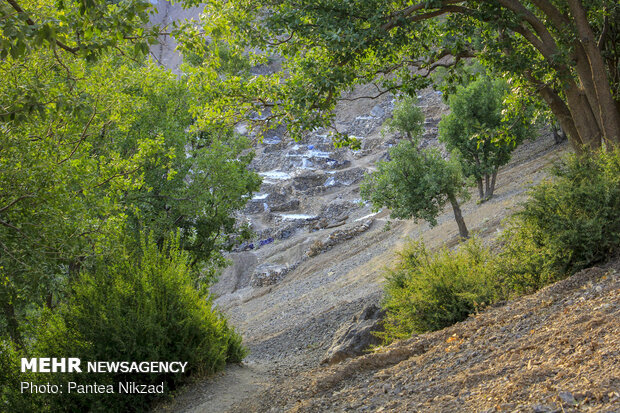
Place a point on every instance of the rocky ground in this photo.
(554, 351)
(309, 280)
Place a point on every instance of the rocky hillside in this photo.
(310, 191)
(303, 292)
(554, 351)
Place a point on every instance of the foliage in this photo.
(332, 46)
(407, 119)
(95, 142)
(568, 223)
(414, 183)
(204, 184)
(477, 130)
(94, 137)
(132, 309)
(86, 28)
(97, 152)
(11, 377)
(432, 290)
(63, 173)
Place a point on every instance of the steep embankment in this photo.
(289, 325)
(554, 351)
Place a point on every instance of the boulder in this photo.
(270, 274)
(355, 337)
(291, 205)
(338, 237)
(350, 176)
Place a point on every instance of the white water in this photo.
(367, 216)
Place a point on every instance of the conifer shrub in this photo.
(431, 290)
(143, 308)
(569, 223)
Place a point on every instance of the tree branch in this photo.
(6, 207)
(30, 22)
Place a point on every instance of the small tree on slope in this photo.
(476, 129)
(416, 184)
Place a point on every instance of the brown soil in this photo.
(556, 350)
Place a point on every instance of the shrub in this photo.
(429, 291)
(569, 223)
(133, 309)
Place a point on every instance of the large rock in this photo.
(291, 205)
(355, 336)
(337, 237)
(269, 274)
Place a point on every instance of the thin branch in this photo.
(15, 201)
(30, 22)
(83, 136)
(381, 93)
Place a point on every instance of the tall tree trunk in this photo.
(480, 189)
(12, 324)
(584, 118)
(607, 108)
(560, 110)
(463, 232)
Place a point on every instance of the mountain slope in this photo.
(557, 350)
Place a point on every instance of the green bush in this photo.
(429, 291)
(133, 309)
(568, 223)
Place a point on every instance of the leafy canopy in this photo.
(558, 50)
(477, 128)
(414, 183)
(89, 146)
(407, 119)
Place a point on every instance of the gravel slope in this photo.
(554, 351)
(289, 326)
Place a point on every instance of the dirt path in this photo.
(289, 326)
(557, 350)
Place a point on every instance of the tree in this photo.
(85, 28)
(63, 174)
(416, 184)
(407, 119)
(203, 185)
(93, 144)
(565, 51)
(477, 130)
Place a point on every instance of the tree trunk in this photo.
(480, 189)
(606, 109)
(584, 118)
(487, 186)
(463, 232)
(492, 186)
(12, 324)
(559, 109)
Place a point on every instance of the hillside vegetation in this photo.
(246, 204)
